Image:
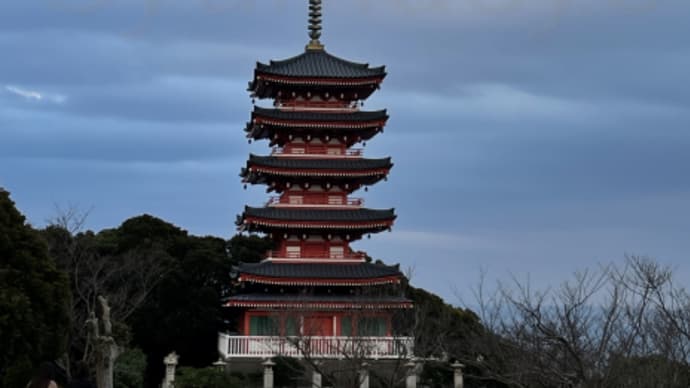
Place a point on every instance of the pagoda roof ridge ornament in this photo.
(314, 25)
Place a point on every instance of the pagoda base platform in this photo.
(313, 347)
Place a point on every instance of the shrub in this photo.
(129, 369)
(205, 378)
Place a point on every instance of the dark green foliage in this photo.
(182, 312)
(436, 374)
(288, 372)
(34, 299)
(163, 284)
(123, 264)
(146, 231)
(441, 329)
(129, 369)
(249, 249)
(207, 378)
(178, 308)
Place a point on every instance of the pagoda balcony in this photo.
(314, 347)
(317, 152)
(312, 255)
(317, 106)
(334, 202)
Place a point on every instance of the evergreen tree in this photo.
(34, 299)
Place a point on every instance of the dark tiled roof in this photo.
(358, 116)
(344, 164)
(319, 298)
(319, 270)
(319, 64)
(329, 215)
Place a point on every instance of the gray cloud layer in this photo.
(528, 136)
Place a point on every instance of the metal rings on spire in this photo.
(314, 25)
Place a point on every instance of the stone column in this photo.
(170, 362)
(411, 380)
(220, 365)
(268, 373)
(364, 375)
(458, 379)
(315, 379)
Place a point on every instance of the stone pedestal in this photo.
(170, 362)
(458, 379)
(268, 373)
(411, 379)
(220, 365)
(316, 380)
(364, 375)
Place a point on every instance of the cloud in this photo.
(31, 133)
(510, 120)
(33, 95)
(29, 95)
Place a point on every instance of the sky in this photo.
(531, 138)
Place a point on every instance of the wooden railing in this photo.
(317, 151)
(319, 106)
(315, 347)
(315, 255)
(318, 201)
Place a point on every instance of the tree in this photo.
(618, 326)
(120, 265)
(164, 286)
(248, 248)
(183, 313)
(34, 299)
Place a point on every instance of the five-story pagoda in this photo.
(313, 286)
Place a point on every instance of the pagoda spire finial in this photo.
(314, 25)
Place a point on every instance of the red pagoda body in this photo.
(314, 288)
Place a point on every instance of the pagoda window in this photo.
(334, 151)
(335, 200)
(337, 252)
(262, 325)
(296, 199)
(291, 326)
(346, 326)
(297, 150)
(372, 327)
(293, 251)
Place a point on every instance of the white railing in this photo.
(314, 202)
(315, 347)
(359, 255)
(318, 152)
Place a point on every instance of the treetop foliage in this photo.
(34, 299)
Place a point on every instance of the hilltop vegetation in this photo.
(618, 326)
